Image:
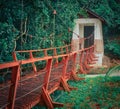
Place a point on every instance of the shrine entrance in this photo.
(89, 27)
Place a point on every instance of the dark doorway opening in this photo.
(88, 31)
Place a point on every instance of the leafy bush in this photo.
(32, 25)
(7, 35)
(112, 48)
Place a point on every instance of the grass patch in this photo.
(92, 93)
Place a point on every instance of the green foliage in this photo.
(92, 93)
(7, 34)
(32, 25)
(112, 48)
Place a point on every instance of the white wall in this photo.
(98, 36)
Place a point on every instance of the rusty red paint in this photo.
(46, 75)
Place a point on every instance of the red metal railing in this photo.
(33, 85)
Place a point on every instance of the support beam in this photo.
(48, 101)
(13, 88)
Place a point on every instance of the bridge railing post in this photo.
(65, 61)
(47, 75)
(33, 64)
(45, 52)
(14, 56)
(82, 70)
(13, 87)
(67, 51)
(45, 93)
(74, 64)
(93, 58)
(55, 54)
(61, 50)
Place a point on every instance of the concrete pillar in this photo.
(75, 39)
(98, 41)
(81, 32)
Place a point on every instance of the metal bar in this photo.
(47, 75)
(55, 54)
(13, 88)
(80, 63)
(33, 64)
(24, 51)
(14, 56)
(9, 64)
(45, 52)
(65, 61)
(47, 99)
(74, 63)
(35, 60)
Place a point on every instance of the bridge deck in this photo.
(24, 92)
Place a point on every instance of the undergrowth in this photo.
(92, 93)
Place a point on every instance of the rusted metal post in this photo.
(55, 54)
(31, 55)
(74, 76)
(45, 93)
(92, 56)
(13, 87)
(85, 59)
(47, 75)
(45, 52)
(61, 50)
(63, 78)
(47, 99)
(65, 61)
(33, 64)
(81, 62)
(14, 56)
